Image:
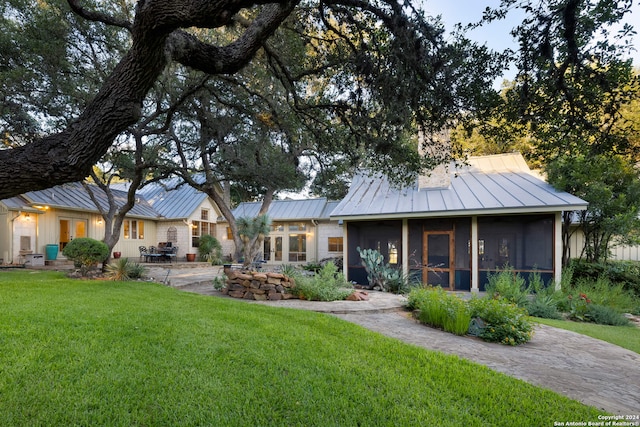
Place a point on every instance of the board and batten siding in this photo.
(325, 231)
(618, 252)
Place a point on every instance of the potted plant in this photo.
(117, 255)
(191, 257)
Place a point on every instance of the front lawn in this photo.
(133, 353)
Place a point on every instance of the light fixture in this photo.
(27, 217)
(99, 221)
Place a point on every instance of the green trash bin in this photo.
(52, 252)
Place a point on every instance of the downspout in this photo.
(316, 239)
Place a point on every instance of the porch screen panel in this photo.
(462, 260)
(523, 242)
(383, 236)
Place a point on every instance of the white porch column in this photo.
(557, 250)
(475, 271)
(345, 250)
(405, 247)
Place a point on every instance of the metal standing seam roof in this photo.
(166, 200)
(171, 199)
(289, 209)
(488, 185)
(73, 196)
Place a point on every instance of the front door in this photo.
(71, 229)
(438, 252)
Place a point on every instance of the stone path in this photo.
(591, 371)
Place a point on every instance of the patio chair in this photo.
(153, 254)
(173, 255)
(143, 252)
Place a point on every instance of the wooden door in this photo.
(438, 259)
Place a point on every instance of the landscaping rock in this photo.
(358, 296)
(259, 286)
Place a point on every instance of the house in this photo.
(458, 225)
(164, 212)
(301, 230)
(452, 228)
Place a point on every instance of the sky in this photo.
(496, 35)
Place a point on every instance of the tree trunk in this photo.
(69, 156)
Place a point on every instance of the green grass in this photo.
(134, 354)
(624, 336)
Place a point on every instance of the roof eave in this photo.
(476, 212)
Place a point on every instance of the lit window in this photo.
(393, 252)
(133, 229)
(335, 244)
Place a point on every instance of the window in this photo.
(200, 228)
(335, 244)
(277, 226)
(297, 247)
(204, 214)
(298, 227)
(133, 229)
(229, 233)
(392, 247)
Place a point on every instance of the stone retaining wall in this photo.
(258, 286)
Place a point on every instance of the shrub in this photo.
(625, 273)
(506, 323)
(291, 271)
(210, 249)
(416, 296)
(136, 271)
(602, 291)
(86, 252)
(441, 309)
(544, 306)
(327, 285)
(508, 285)
(219, 283)
(578, 307)
(604, 315)
(123, 269)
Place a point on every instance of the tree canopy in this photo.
(373, 69)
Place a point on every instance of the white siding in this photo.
(326, 230)
(619, 253)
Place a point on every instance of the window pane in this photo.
(297, 247)
(141, 229)
(438, 251)
(393, 251)
(134, 229)
(335, 244)
(127, 228)
(298, 227)
(204, 214)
